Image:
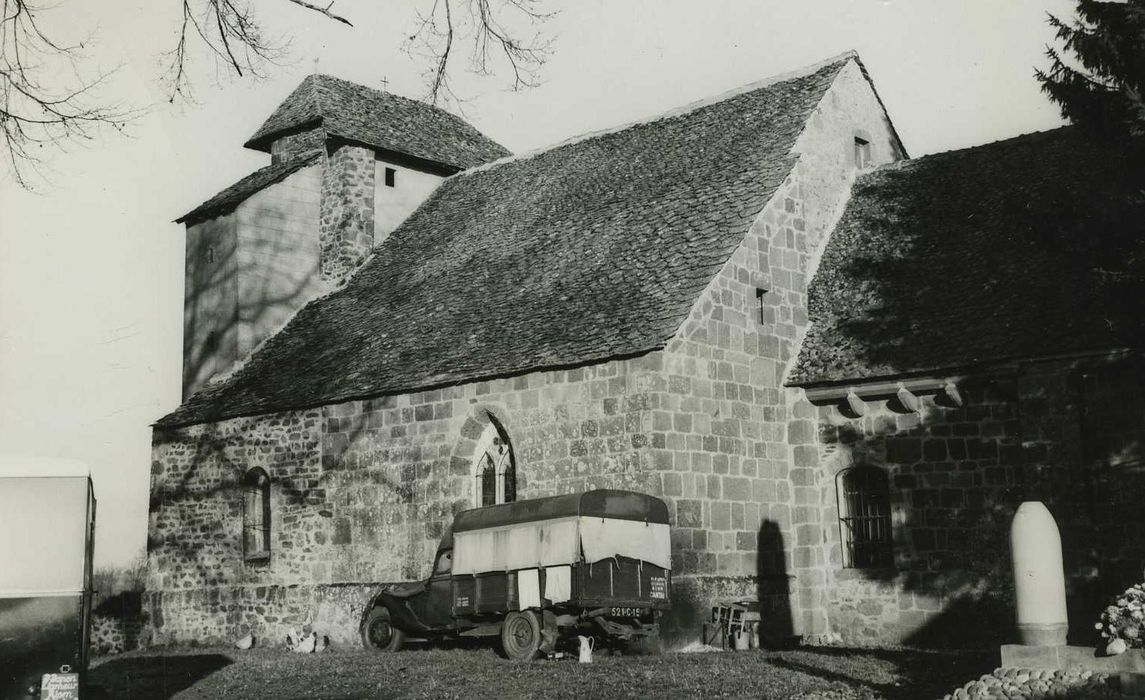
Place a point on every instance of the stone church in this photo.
(841, 368)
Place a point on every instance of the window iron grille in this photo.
(865, 518)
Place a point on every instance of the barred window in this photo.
(864, 517)
(494, 469)
(256, 515)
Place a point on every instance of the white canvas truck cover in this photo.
(43, 526)
(554, 542)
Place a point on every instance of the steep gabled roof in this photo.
(379, 119)
(237, 193)
(1010, 250)
(594, 249)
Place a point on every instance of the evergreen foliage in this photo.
(1100, 87)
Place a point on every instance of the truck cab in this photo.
(536, 573)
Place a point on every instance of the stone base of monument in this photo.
(1128, 667)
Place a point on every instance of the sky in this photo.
(91, 267)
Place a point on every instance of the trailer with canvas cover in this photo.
(536, 572)
(47, 526)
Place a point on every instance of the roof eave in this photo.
(202, 213)
(920, 381)
(172, 421)
(263, 141)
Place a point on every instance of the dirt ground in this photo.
(341, 674)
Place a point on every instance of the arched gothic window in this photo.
(494, 469)
(256, 515)
(865, 517)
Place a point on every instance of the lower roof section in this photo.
(1023, 248)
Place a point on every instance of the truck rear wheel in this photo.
(521, 636)
(378, 632)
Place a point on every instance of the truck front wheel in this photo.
(521, 635)
(378, 632)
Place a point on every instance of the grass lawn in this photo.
(819, 674)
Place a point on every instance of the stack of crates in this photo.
(734, 626)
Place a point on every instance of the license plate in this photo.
(627, 612)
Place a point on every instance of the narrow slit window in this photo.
(256, 516)
(865, 518)
(759, 296)
(862, 153)
(391, 174)
(210, 254)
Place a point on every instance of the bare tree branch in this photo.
(35, 111)
(34, 115)
(495, 44)
(324, 11)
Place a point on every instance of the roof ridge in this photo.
(1005, 141)
(682, 110)
(390, 94)
(316, 96)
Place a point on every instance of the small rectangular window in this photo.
(390, 175)
(862, 153)
(759, 295)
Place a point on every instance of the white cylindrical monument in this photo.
(1039, 577)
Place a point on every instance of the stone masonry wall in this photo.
(955, 481)
(210, 301)
(246, 272)
(1067, 433)
(1083, 425)
(278, 255)
(300, 142)
(346, 226)
(362, 490)
(726, 434)
(705, 423)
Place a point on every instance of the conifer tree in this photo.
(1100, 85)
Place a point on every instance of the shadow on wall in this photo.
(692, 597)
(917, 277)
(777, 628)
(951, 500)
(195, 540)
(233, 301)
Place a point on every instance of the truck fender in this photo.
(379, 599)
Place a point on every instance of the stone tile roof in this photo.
(231, 197)
(379, 119)
(1010, 250)
(594, 249)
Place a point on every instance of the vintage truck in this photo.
(536, 573)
